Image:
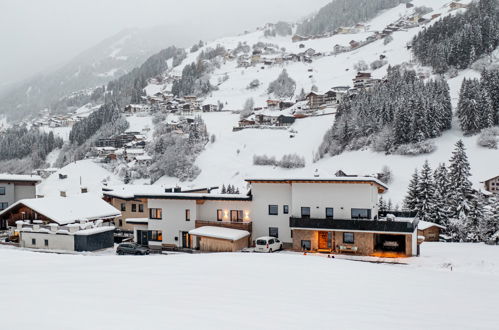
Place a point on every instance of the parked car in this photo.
(131, 248)
(267, 244)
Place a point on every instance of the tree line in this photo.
(396, 115)
(445, 196)
(456, 41)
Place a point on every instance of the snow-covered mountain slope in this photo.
(108, 60)
(230, 159)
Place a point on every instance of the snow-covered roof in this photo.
(143, 157)
(423, 225)
(321, 179)
(137, 220)
(19, 177)
(154, 191)
(93, 231)
(66, 210)
(220, 232)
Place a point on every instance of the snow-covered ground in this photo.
(250, 291)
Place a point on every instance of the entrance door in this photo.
(186, 240)
(323, 240)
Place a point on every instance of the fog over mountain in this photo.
(40, 36)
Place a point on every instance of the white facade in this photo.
(34, 240)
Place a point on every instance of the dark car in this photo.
(131, 248)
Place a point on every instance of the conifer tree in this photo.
(411, 200)
(426, 194)
(461, 187)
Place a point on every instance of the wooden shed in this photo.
(430, 231)
(219, 239)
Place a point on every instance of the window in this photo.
(156, 214)
(236, 216)
(33, 241)
(120, 223)
(285, 209)
(361, 214)
(273, 231)
(220, 215)
(3, 206)
(329, 212)
(305, 212)
(123, 207)
(134, 207)
(141, 207)
(306, 244)
(46, 242)
(271, 241)
(273, 210)
(2, 190)
(187, 215)
(348, 238)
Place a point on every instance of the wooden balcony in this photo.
(243, 225)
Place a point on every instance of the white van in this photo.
(267, 244)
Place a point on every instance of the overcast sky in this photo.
(40, 34)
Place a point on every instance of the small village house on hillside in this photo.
(14, 188)
(492, 185)
(79, 223)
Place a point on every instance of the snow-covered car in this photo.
(131, 248)
(267, 244)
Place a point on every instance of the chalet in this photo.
(273, 104)
(354, 44)
(143, 160)
(298, 38)
(360, 27)
(343, 30)
(340, 49)
(362, 80)
(430, 231)
(315, 100)
(492, 185)
(15, 187)
(285, 120)
(246, 122)
(210, 108)
(79, 223)
(457, 5)
(285, 104)
(435, 16)
(134, 108)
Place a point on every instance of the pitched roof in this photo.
(66, 210)
(19, 177)
(423, 225)
(322, 180)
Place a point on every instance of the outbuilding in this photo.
(430, 231)
(219, 239)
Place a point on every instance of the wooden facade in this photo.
(210, 244)
(431, 234)
(365, 243)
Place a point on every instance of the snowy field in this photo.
(250, 291)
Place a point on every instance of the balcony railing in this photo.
(241, 225)
(355, 224)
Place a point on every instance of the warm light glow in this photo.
(246, 215)
(226, 214)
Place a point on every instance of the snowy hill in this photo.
(229, 160)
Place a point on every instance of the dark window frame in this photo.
(3, 190)
(141, 208)
(332, 213)
(275, 207)
(274, 232)
(134, 207)
(303, 215)
(348, 241)
(285, 209)
(123, 207)
(187, 215)
(3, 206)
(156, 214)
(46, 242)
(238, 216)
(33, 241)
(220, 215)
(368, 217)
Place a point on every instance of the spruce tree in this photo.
(461, 187)
(442, 192)
(411, 200)
(426, 194)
